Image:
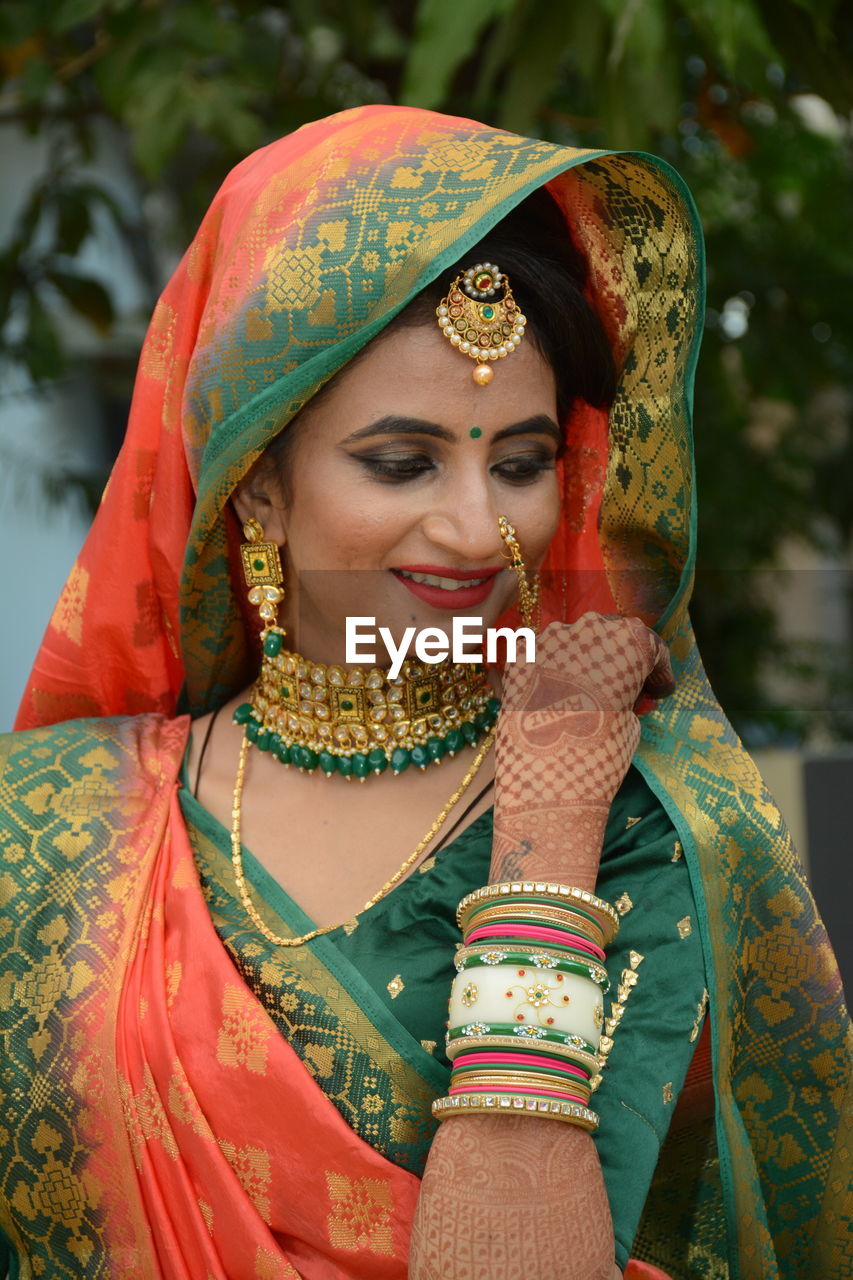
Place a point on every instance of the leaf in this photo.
(533, 66)
(88, 297)
(446, 32)
(73, 221)
(72, 13)
(40, 349)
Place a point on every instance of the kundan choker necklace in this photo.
(355, 721)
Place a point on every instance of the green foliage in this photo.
(184, 88)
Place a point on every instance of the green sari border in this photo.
(286, 917)
(691, 856)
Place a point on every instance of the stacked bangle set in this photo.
(526, 1006)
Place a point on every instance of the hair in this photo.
(548, 274)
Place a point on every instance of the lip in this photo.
(439, 597)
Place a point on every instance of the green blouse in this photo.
(397, 960)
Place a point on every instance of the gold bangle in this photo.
(524, 1082)
(467, 1043)
(565, 920)
(605, 914)
(515, 1104)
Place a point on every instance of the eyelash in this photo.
(524, 470)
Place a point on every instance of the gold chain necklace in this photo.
(237, 846)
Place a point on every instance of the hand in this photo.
(566, 735)
(511, 1196)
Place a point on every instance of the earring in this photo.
(528, 584)
(262, 571)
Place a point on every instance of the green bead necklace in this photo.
(357, 722)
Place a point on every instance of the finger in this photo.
(660, 682)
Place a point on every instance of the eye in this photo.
(524, 468)
(393, 468)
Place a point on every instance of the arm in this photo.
(516, 1195)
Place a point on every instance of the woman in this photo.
(181, 1107)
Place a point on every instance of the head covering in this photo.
(310, 247)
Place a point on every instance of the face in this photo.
(397, 479)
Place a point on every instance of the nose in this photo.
(465, 526)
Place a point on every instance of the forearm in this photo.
(544, 1182)
(561, 843)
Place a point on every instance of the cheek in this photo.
(543, 518)
(342, 526)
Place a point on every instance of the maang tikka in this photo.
(483, 325)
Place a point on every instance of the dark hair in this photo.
(532, 245)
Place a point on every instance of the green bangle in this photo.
(537, 960)
(493, 1037)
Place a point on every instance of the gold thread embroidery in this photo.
(677, 851)
(360, 1213)
(67, 617)
(623, 904)
(395, 986)
(251, 1167)
(243, 1034)
(684, 927)
(629, 979)
(429, 1045)
(700, 1014)
(667, 1091)
(632, 822)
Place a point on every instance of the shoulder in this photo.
(116, 739)
(68, 777)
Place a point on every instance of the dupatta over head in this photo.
(311, 246)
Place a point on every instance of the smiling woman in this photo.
(224, 968)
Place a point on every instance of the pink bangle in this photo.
(540, 1061)
(536, 933)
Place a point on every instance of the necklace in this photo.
(237, 845)
(357, 721)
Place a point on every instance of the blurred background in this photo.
(119, 120)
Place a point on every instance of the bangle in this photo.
(532, 933)
(555, 895)
(477, 1035)
(543, 998)
(533, 913)
(513, 1060)
(564, 960)
(503, 1104)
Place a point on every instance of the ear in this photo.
(257, 497)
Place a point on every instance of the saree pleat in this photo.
(163, 1094)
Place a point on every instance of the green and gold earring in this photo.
(263, 574)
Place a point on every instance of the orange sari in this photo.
(163, 1127)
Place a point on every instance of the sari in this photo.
(149, 1132)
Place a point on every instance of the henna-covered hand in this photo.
(566, 735)
(511, 1196)
(518, 1196)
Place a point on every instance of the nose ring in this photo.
(529, 602)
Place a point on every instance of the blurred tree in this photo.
(750, 99)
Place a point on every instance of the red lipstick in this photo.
(438, 597)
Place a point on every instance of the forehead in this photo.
(415, 373)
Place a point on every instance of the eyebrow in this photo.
(391, 425)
